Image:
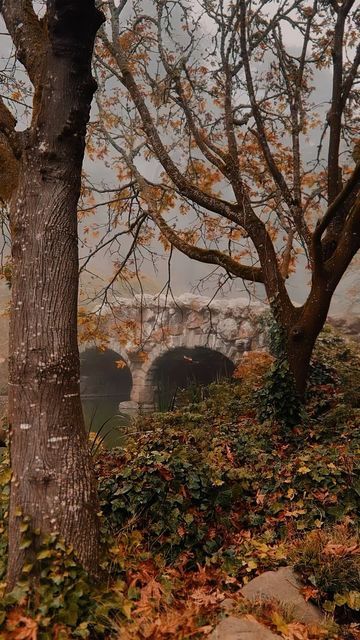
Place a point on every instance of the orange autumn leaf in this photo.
(309, 592)
(332, 549)
(21, 627)
(120, 364)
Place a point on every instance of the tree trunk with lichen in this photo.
(52, 475)
(302, 327)
(300, 342)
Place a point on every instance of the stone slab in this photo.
(232, 628)
(283, 586)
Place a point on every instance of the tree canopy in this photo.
(231, 127)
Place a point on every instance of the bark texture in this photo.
(53, 480)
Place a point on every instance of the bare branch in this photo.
(262, 138)
(350, 78)
(208, 256)
(185, 187)
(350, 190)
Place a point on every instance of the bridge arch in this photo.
(228, 327)
(105, 381)
(175, 364)
(181, 367)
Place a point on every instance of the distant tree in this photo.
(52, 476)
(254, 166)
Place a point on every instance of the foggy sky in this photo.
(185, 273)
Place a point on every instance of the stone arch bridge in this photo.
(181, 338)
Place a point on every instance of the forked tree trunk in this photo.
(299, 347)
(53, 481)
(302, 332)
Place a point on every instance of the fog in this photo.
(185, 274)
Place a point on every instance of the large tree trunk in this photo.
(53, 481)
(302, 332)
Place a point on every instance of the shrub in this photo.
(331, 348)
(253, 366)
(191, 480)
(278, 399)
(330, 561)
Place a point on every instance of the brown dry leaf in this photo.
(60, 629)
(309, 592)
(320, 494)
(205, 630)
(152, 591)
(120, 364)
(296, 631)
(21, 627)
(250, 617)
(164, 472)
(253, 364)
(148, 630)
(205, 599)
(281, 625)
(229, 454)
(332, 549)
(317, 632)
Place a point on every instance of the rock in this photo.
(232, 628)
(228, 604)
(246, 330)
(148, 315)
(353, 322)
(229, 329)
(244, 344)
(176, 329)
(129, 406)
(194, 321)
(176, 316)
(259, 341)
(192, 301)
(284, 586)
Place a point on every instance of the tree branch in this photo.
(347, 247)
(208, 256)
(350, 77)
(351, 188)
(28, 35)
(216, 205)
(275, 172)
(10, 151)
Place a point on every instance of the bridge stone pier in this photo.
(186, 332)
